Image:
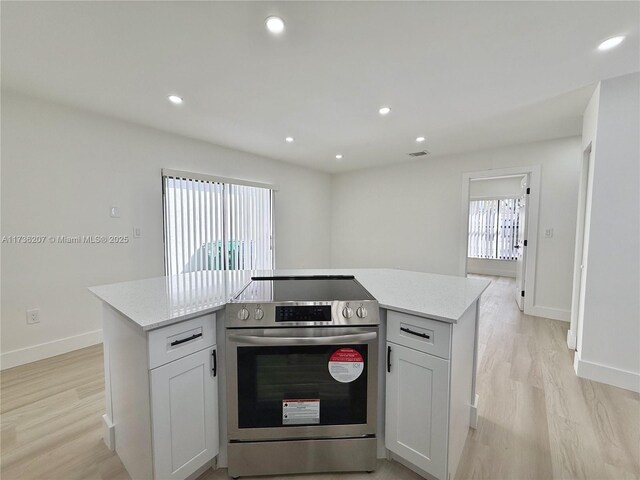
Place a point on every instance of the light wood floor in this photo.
(537, 419)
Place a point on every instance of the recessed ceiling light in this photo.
(289, 139)
(275, 25)
(384, 110)
(175, 99)
(339, 156)
(611, 42)
(420, 139)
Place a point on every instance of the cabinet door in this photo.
(184, 412)
(417, 408)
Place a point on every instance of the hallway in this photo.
(537, 419)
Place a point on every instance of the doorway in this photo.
(499, 228)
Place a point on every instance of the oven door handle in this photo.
(255, 340)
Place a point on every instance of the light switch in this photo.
(548, 233)
(115, 212)
(137, 232)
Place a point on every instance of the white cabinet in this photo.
(417, 395)
(429, 390)
(184, 412)
(162, 396)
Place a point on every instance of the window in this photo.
(493, 228)
(212, 224)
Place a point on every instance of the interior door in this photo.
(522, 248)
(582, 243)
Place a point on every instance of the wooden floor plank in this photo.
(615, 434)
(525, 364)
(574, 450)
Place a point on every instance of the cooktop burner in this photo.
(327, 300)
(303, 289)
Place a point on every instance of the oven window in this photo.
(268, 376)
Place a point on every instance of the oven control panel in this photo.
(303, 313)
(245, 315)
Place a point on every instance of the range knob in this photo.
(243, 314)
(361, 312)
(347, 311)
(258, 313)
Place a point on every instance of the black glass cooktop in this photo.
(303, 289)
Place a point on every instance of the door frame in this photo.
(524, 252)
(582, 232)
(534, 173)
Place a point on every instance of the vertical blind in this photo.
(493, 228)
(211, 225)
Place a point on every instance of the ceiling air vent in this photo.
(419, 154)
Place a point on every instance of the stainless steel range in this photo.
(302, 357)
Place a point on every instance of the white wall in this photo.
(63, 168)
(489, 266)
(408, 216)
(495, 187)
(609, 341)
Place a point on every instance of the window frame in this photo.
(224, 181)
(497, 198)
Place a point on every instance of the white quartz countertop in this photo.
(161, 301)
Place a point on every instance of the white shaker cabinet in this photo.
(184, 412)
(162, 396)
(417, 408)
(430, 391)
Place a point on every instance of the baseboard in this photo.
(109, 433)
(473, 420)
(22, 356)
(424, 474)
(606, 374)
(210, 465)
(571, 339)
(548, 312)
(496, 272)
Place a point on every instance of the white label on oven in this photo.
(346, 365)
(301, 411)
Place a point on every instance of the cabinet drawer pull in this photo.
(417, 334)
(187, 339)
(389, 359)
(214, 359)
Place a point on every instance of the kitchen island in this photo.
(165, 417)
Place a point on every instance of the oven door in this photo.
(302, 382)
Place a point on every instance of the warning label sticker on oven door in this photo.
(301, 411)
(346, 365)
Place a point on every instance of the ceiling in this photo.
(466, 75)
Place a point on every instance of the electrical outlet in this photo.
(137, 232)
(33, 316)
(548, 233)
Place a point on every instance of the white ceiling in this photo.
(467, 75)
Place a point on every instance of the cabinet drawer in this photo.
(422, 334)
(175, 341)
